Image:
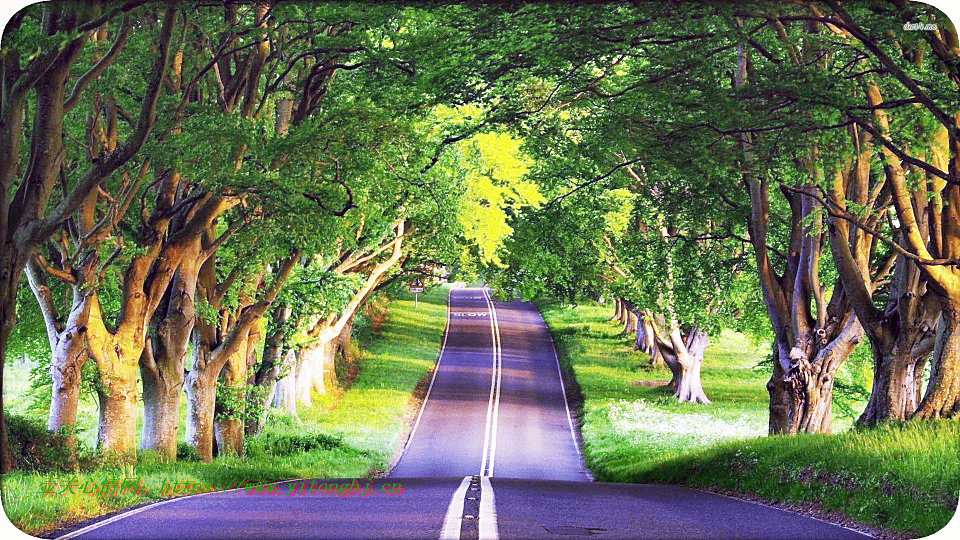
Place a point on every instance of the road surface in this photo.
(492, 454)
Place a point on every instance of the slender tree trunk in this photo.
(264, 381)
(285, 396)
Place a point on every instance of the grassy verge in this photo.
(354, 435)
(901, 478)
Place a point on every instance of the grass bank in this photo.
(353, 434)
(902, 478)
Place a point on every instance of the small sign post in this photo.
(416, 287)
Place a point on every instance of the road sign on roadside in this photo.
(416, 288)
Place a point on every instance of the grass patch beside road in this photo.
(902, 478)
(354, 436)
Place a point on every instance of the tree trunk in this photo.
(9, 278)
(683, 354)
(263, 382)
(285, 396)
(118, 405)
(66, 362)
(630, 325)
(942, 399)
(897, 383)
(689, 387)
(162, 370)
(229, 430)
(201, 392)
(317, 370)
(801, 387)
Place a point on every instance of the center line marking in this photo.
(488, 511)
(454, 517)
(493, 404)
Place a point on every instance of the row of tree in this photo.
(795, 166)
(186, 185)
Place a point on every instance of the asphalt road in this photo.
(492, 454)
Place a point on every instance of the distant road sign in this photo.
(416, 287)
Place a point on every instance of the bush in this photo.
(37, 449)
(274, 444)
(185, 452)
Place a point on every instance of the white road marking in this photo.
(496, 404)
(493, 404)
(118, 517)
(563, 390)
(436, 368)
(453, 520)
(488, 511)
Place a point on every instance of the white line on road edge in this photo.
(488, 511)
(563, 390)
(436, 368)
(493, 404)
(454, 518)
(123, 514)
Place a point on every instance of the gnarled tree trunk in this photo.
(942, 398)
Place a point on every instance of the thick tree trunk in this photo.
(9, 278)
(942, 398)
(161, 407)
(619, 313)
(317, 370)
(801, 387)
(229, 431)
(65, 365)
(162, 367)
(683, 354)
(118, 405)
(898, 369)
(630, 325)
(897, 385)
(201, 392)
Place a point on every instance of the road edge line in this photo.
(454, 518)
(130, 512)
(566, 404)
(436, 368)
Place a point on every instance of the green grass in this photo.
(355, 435)
(903, 478)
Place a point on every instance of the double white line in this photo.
(487, 519)
(493, 404)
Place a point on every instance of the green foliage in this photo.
(230, 401)
(186, 452)
(37, 449)
(273, 444)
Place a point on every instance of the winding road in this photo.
(492, 454)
